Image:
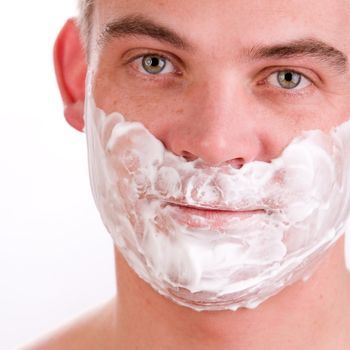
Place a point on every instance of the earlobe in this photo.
(71, 67)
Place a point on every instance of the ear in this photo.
(71, 68)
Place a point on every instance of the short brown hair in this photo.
(85, 20)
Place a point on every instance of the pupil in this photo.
(289, 77)
(154, 62)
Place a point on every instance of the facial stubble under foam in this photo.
(302, 199)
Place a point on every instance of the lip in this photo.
(198, 217)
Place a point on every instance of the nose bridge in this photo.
(221, 104)
(216, 126)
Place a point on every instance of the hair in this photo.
(84, 20)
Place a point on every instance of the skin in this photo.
(215, 103)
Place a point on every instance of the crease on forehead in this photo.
(138, 25)
(132, 25)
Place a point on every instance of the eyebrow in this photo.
(140, 25)
(308, 47)
(135, 25)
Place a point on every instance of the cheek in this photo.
(278, 125)
(158, 110)
(320, 109)
(167, 106)
(323, 117)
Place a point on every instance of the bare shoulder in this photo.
(91, 330)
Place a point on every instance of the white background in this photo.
(55, 256)
(56, 259)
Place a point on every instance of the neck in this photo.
(307, 315)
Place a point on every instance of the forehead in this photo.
(229, 23)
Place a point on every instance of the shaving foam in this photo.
(297, 204)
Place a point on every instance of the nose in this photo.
(217, 125)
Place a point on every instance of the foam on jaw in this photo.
(302, 198)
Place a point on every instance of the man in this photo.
(229, 83)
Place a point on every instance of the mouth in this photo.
(202, 217)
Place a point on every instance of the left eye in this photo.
(154, 64)
(288, 79)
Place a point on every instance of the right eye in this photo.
(289, 80)
(154, 64)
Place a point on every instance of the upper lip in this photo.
(231, 207)
(214, 208)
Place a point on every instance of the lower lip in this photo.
(207, 218)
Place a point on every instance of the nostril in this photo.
(236, 163)
(188, 156)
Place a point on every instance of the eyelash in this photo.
(162, 76)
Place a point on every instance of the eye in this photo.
(154, 64)
(288, 79)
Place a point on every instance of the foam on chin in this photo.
(302, 198)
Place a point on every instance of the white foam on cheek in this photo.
(208, 263)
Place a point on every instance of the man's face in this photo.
(215, 80)
(230, 85)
